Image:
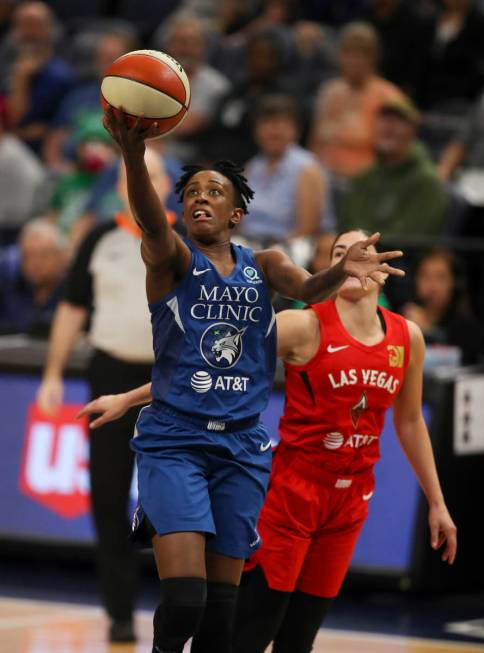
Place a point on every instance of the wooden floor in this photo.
(42, 627)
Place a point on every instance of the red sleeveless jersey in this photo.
(336, 403)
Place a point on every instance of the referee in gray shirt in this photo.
(107, 284)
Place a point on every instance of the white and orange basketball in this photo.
(148, 83)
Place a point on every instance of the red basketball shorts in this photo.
(309, 526)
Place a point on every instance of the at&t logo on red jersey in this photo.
(54, 470)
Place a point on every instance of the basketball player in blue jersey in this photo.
(203, 457)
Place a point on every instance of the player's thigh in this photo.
(223, 569)
(237, 486)
(286, 525)
(330, 552)
(180, 555)
(173, 491)
(236, 498)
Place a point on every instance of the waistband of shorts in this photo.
(207, 423)
(287, 457)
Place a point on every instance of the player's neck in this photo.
(217, 251)
(359, 317)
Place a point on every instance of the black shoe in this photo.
(122, 630)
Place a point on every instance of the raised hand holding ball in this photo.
(147, 85)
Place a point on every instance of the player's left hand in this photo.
(443, 531)
(107, 407)
(364, 264)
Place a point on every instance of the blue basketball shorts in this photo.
(193, 479)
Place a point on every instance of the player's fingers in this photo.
(451, 548)
(364, 282)
(86, 410)
(138, 127)
(378, 278)
(388, 256)
(108, 121)
(152, 131)
(388, 269)
(371, 240)
(122, 119)
(434, 535)
(99, 421)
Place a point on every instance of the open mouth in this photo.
(200, 215)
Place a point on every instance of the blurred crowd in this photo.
(345, 113)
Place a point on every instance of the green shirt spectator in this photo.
(401, 193)
(94, 150)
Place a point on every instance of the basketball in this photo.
(148, 83)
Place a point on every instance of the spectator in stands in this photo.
(439, 308)
(401, 193)
(94, 151)
(311, 61)
(403, 29)
(289, 185)
(22, 182)
(185, 40)
(84, 99)
(453, 65)
(31, 279)
(342, 134)
(107, 282)
(39, 80)
(261, 73)
(466, 150)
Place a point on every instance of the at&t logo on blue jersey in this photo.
(221, 345)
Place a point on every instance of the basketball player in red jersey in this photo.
(347, 361)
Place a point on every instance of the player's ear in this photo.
(236, 217)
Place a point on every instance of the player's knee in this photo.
(178, 616)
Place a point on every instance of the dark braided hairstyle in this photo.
(233, 172)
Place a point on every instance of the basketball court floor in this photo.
(53, 607)
(46, 627)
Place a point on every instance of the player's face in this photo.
(351, 289)
(209, 205)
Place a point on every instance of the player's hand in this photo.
(108, 407)
(364, 264)
(50, 395)
(131, 139)
(443, 531)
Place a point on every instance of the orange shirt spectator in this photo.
(342, 134)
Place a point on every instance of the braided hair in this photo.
(232, 171)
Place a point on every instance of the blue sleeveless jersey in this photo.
(214, 339)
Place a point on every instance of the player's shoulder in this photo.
(415, 332)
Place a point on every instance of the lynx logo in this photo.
(251, 274)
(221, 345)
(55, 459)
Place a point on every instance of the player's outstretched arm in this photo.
(415, 441)
(112, 407)
(360, 261)
(165, 254)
